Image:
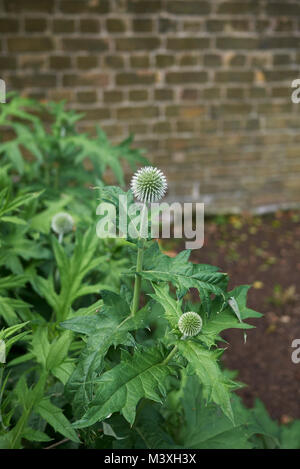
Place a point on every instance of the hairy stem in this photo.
(171, 354)
(138, 280)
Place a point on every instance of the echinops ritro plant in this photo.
(149, 184)
(190, 324)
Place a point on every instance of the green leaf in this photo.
(58, 350)
(35, 435)
(204, 363)
(108, 327)
(181, 273)
(171, 307)
(40, 345)
(121, 388)
(55, 417)
(206, 427)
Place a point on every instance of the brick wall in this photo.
(204, 85)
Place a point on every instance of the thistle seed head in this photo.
(149, 184)
(190, 324)
(62, 223)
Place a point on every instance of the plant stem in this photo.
(138, 280)
(171, 354)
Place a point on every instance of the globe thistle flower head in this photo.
(149, 184)
(190, 324)
(62, 223)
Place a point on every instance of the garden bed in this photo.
(262, 251)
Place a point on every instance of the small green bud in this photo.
(190, 324)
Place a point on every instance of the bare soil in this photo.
(264, 252)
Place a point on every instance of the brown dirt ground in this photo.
(265, 252)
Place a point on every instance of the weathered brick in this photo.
(86, 62)
(186, 77)
(40, 6)
(139, 61)
(87, 97)
(164, 60)
(61, 94)
(281, 92)
(284, 25)
(113, 96)
(280, 75)
(112, 130)
(282, 59)
(88, 44)
(239, 8)
(235, 93)
(95, 114)
(193, 26)
(138, 128)
(78, 6)
(237, 43)
(114, 61)
(144, 6)
(215, 25)
(59, 62)
(188, 60)
(164, 94)
(138, 95)
(161, 127)
(9, 25)
(29, 44)
(32, 61)
(275, 108)
(212, 60)
(40, 80)
(166, 25)
(130, 78)
(190, 94)
(137, 43)
(187, 43)
(185, 126)
(85, 79)
(188, 7)
(211, 93)
(35, 25)
(89, 26)
(63, 26)
(234, 76)
(282, 9)
(237, 60)
(115, 25)
(8, 63)
(262, 25)
(186, 112)
(142, 25)
(280, 42)
(136, 112)
(257, 92)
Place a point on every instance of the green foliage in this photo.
(89, 327)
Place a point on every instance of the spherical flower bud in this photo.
(190, 324)
(62, 223)
(149, 184)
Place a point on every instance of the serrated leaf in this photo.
(108, 327)
(55, 417)
(120, 389)
(171, 307)
(204, 363)
(206, 427)
(182, 274)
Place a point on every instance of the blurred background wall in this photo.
(205, 86)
